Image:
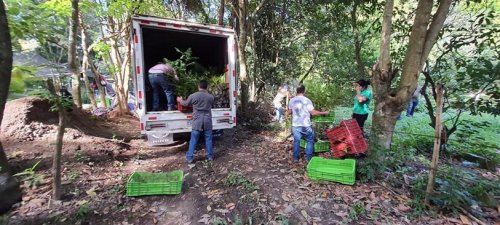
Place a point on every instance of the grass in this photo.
(235, 179)
(416, 129)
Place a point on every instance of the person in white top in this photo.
(160, 77)
(280, 111)
(302, 109)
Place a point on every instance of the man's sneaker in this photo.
(295, 160)
(190, 161)
(210, 158)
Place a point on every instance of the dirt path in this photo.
(251, 181)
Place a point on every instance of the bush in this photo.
(325, 96)
(455, 188)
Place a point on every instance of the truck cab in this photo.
(158, 38)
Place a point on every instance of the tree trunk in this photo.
(390, 102)
(102, 90)
(56, 163)
(437, 144)
(85, 67)
(121, 60)
(220, 18)
(73, 33)
(382, 122)
(9, 187)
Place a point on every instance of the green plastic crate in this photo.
(319, 146)
(330, 118)
(342, 171)
(145, 183)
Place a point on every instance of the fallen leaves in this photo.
(305, 215)
(223, 211)
(205, 219)
(230, 206)
(465, 219)
(285, 197)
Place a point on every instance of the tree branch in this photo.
(434, 28)
(258, 8)
(315, 57)
(385, 45)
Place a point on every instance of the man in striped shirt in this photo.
(160, 77)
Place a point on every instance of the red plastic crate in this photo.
(339, 149)
(347, 139)
(182, 108)
(337, 133)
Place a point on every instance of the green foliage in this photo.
(19, 75)
(30, 175)
(235, 179)
(73, 175)
(373, 166)
(357, 210)
(219, 221)
(454, 188)
(190, 73)
(468, 139)
(83, 211)
(325, 96)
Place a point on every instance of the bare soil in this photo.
(100, 155)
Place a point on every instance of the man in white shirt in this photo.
(302, 109)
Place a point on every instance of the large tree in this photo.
(73, 68)
(391, 100)
(9, 188)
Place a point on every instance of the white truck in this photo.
(157, 38)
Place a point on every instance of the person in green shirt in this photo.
(361, 102)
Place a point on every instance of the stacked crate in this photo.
(347, 139)
(342, 171)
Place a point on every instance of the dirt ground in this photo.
(251, 181)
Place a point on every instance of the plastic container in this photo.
(322, 146)
(342, 171)
(182, 108)
(330, 118)
(146, 183)
(347, 132)
(319, 146)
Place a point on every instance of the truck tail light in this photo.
(142, 126)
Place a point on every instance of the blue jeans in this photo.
(411, 107)
(297, 135)
(280, 114)
(195, 135)
(159, 83)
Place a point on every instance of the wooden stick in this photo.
(471, 216)
(437, 143)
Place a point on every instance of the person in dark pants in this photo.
(202, 102)
(302, 108)
(413, 101)
(160, 77)
(361, 102)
